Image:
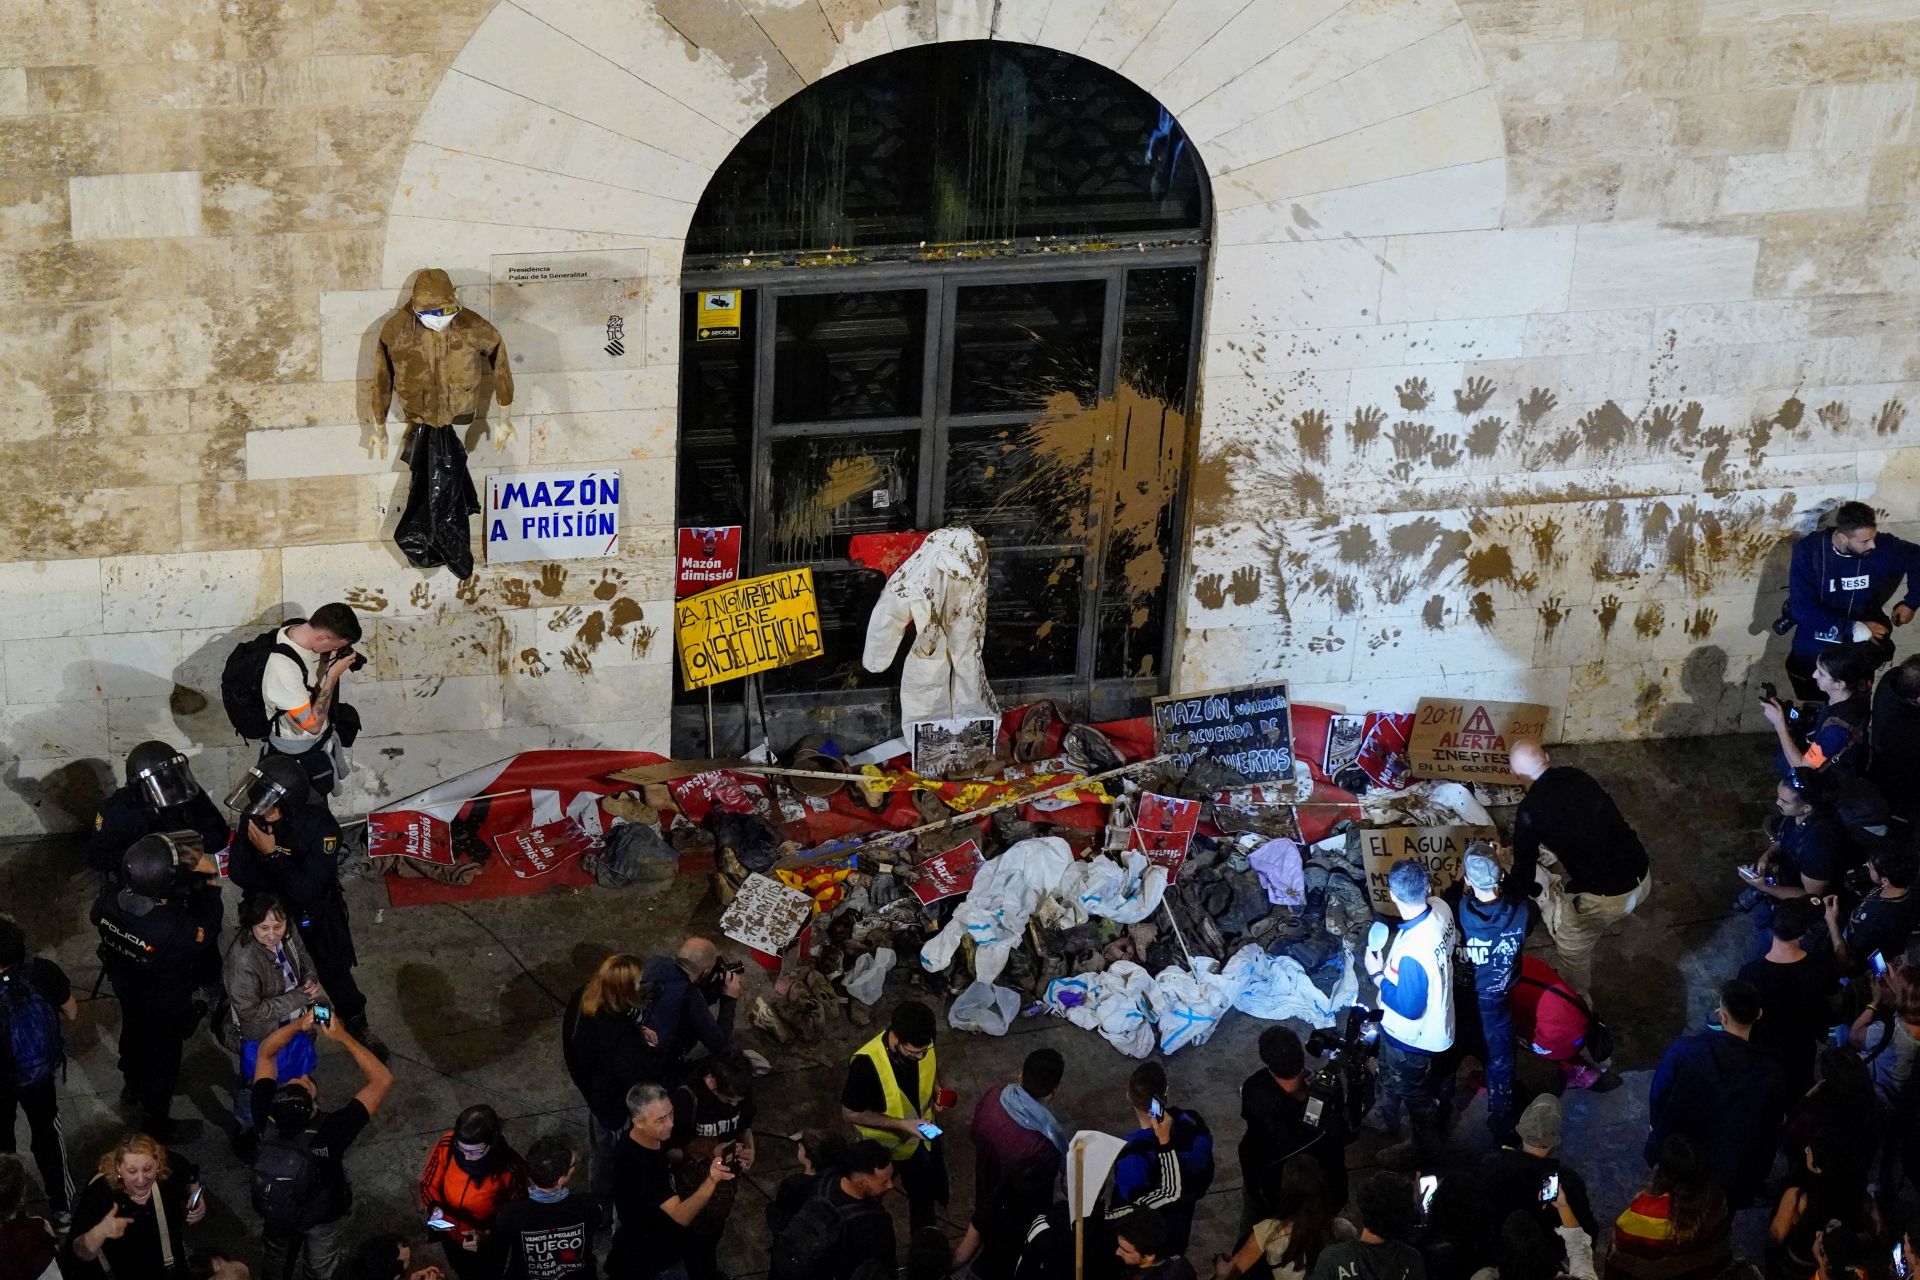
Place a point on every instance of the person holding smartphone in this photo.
(130, 1222)
(892, 1095)
(1167, 1163)
(471, 1173)
(304, 1146)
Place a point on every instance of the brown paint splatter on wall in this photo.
(468, 592)
(1484, 440)
(593, 631)
(515, 594)
(1413, 394)
(1480, 609)
(1356, 544)
(1544, 536)
(611, 580)
(1364, 429)
(1700, 625)
(1552, 614)
(1311, 432)
(1473, 397)
(1891, 415)
(421, 596)
(623, 613)
(1650, 619)
(366, 599)
(1606, 428)
(1537, 404)
(531, 663)
(1608, 613)
(1434, 612)
(552, 580)
(1489, 564)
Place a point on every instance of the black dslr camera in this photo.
(1345, 1079)
(1799, 717)
(714, 985)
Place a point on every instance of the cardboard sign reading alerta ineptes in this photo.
(1247, 729)
(1439, 848)
(753, 625)
(1469, 740)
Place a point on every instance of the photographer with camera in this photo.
(159, 934)
(161, 795)
(1844, 675)
(1415, 977)
(1805, 854)
(1883, 919)
(695, 994)
(306, 719)
(1287, 1121)
(291, 848)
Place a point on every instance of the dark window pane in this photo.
(1017, 346)
(827, 488)
(716, 420)
(953, 142)
(1156, 333)
(1033, 615)
(1013, 493)
(845, 356)
(846, 598)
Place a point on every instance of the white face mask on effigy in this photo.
(437, 323)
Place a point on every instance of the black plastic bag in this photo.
(433, 529)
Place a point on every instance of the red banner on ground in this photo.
(538, 850)
(408, 834)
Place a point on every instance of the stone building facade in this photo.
(1533, 330)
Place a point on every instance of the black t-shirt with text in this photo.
(551, 1241)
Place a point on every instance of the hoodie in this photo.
(1360, 1260)
(438, 376)
(1829, 591)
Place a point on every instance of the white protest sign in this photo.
(1090, 1157)
(553, 515)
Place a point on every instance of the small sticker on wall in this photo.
(717, 315)
(882, 499)
(616, 336)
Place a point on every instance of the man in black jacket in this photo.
(1605, 866)
(1725, 1093)
(159, 929)
(1894, 733)
(1492, 925)
(1286, 1123)
(293, 848)
(161, 795)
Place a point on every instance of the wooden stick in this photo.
(1079, 1219)
(894, 839)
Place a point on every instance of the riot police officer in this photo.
(292, 847)
(159, 929)
(160, 795)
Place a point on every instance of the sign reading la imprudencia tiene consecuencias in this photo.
(553, 515)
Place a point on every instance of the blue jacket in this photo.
(679, 1015)
(1171, 1180)
(1728, 1096)
(1828, 592)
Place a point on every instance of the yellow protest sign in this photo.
(752, 625)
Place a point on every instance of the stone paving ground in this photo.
(470, 999)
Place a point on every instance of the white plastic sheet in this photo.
(996, 909)
(985, 1008)
(868, 977)
(1112, 1002)
(1188, 1006)
(1276, 987)
(1125, 892)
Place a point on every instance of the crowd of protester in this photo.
(1796, 1101)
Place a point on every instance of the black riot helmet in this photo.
(161, 774)
(151, 868)
(274, 781)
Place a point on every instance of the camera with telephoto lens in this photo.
(1345, 1078)
(714, 985)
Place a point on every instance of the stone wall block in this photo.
(203, 589)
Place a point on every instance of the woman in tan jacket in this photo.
(270, 980)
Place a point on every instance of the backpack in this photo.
(812, 1244)
(34, 1047)
(1599, 1039)
(289, 1188)
(240, 681)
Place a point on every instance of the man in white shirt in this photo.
(301, 685)
(1415, 976)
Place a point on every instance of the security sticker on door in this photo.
(717, 315)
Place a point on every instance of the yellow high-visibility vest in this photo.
(898, 1105)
